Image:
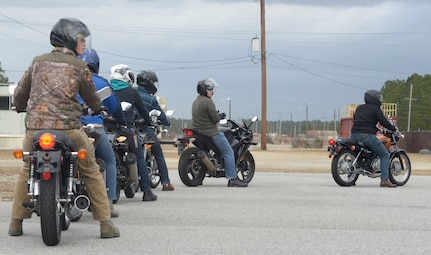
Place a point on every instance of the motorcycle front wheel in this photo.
(190, 168)
(342, 169)
(50, 214)
(153, 171)
(400, 168)
(246, 168)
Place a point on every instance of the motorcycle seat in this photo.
(354, 142)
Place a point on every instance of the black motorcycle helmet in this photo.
(92, 58)
(149, 80)
(66, 31)
(203, 85)
(373, 97)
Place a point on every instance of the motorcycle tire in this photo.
(246, 168)
(117, 193)
(341, 168)
(65, 221)
(190, 168)
(153, 171)
(400, 168)
(50, 214)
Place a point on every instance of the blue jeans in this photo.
(104, 151)
(157, 151)
(225, 149)
(144, 181)
(378, 148)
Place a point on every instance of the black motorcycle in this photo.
(54, 184)
(204, 159)
(121, 139)
(351, 158)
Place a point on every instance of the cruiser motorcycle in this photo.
(55, 185)
(204, 160)
(351, 158)
(121, 139)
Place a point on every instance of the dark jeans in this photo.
(377, 147)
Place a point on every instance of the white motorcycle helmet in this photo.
(122, 72)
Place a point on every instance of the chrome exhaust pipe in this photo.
(82, 202)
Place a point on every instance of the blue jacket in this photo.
(111, 103)
(151, 103)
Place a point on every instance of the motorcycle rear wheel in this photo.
(190, 168)
(246, 168)
(50, 214)
(400, 169)
(342, 168)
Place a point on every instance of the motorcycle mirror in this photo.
(125, 106)
(12, 88)
(254, 119)
(223, 122)
(155, 112)
(104, 93)
(169, 113)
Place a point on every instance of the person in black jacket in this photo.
(122, 79)
(364, 129)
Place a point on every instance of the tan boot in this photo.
(15, 227)
(114, 213)
(108, 230)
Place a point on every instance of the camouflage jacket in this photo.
(48, 89)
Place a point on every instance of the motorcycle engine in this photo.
(375, 165)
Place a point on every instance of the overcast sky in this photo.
(320, 54)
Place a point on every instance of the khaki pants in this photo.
(88, 167)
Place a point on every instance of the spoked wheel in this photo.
(153, 171)
(50, 214)
(400, 169)
(246, 167)
(342, 169)
(190, 168)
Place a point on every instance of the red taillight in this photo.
(188, 132)
(46, 176)
(331, 142)
(47, 141)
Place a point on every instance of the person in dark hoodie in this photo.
(122, 79)
(364, 129)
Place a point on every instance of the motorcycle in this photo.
(204, 159)
(351, 158)
(121, 139)
(55, 185)
(150, 159)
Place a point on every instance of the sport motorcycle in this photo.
(204, 159)
(351, 158)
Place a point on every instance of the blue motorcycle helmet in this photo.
(92, 58)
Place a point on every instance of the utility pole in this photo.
(263, 70)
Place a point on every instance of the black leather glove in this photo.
(222, 115)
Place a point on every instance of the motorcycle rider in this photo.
(47, 92)
(102, 146)
(205, 118)
(122, 79)
(147, 82)
(364, 129)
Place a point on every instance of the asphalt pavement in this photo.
(279, 213)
